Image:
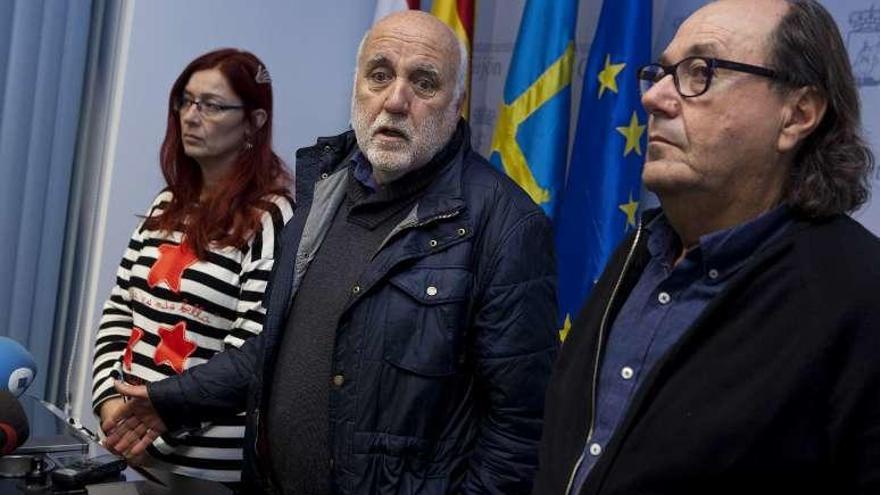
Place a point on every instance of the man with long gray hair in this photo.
(732, 344)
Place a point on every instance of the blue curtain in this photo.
(43, 49)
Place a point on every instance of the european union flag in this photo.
(602, 190)
(530, 142)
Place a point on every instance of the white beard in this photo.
(418, 146)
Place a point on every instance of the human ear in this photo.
(803, 112)
(258, 118)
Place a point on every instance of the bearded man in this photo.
(410, 332)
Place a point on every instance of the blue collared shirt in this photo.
(363, 171)
(665, 302)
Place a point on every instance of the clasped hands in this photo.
(131, 423)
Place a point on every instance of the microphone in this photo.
(17, 367)
(14, 428)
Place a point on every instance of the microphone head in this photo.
(14, 429)
(17, 367)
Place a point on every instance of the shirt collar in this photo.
(362, 170)
(723, 252)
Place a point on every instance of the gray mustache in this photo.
(396, 125)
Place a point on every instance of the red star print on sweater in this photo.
(127, 355)
(173, 260)
(174, 348)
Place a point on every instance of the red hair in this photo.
(230, 215)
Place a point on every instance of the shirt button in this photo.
(331, 463)
(626, 372)
(356, 289)
(431, 291)
(664, 298)
(462, 231)
(595, 449)
(433, 243)
(713, 274)
(338, 380)
(325, 175)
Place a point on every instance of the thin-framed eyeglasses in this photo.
(693, 75)
(207, 109)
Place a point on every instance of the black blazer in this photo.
(774, 389)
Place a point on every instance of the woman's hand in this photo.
(110, 411)
(132, 427)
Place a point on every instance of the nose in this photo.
(190, 115)
(398, 98)
(662, 98)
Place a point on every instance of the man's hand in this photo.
(134, 426)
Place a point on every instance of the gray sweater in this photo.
(298, 409)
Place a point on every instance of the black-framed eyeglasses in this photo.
(693, 75)
(205, 108)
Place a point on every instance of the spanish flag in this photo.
(459, 15)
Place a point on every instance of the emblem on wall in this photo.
(863, 44)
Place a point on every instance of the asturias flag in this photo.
(530, 142)
(603, 187)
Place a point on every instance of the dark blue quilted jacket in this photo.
(445, 350)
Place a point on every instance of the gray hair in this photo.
(462, 71)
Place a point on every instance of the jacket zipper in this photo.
(598, 354)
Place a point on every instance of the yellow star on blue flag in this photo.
(566, 327)
(608, 76)
(633, 134)
(629, 209)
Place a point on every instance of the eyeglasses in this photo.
(693, 75)
(205, 108)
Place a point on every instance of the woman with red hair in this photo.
(192, 280)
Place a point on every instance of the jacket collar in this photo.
(330, 154)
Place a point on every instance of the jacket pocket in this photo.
(425, 320)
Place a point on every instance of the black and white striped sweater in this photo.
(170, 311)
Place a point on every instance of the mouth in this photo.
(657, 139)
(391, 134)
(190, 138)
